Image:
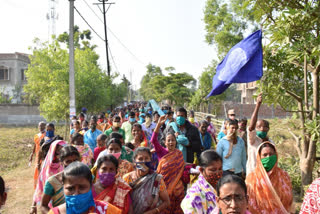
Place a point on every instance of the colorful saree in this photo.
(117, 194)
(37, 138)
(311, 202)
(48, 169)
(85, 154)
(269, 192)
(171, 167)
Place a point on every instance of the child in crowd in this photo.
(101, 142)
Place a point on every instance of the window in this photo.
(4, 73)
(23, 76)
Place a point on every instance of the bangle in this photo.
(157, 209)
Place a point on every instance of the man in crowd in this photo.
(90, 137)
(126, 126)
(257, 134)
(116, 124)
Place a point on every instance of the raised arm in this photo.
(154, 139)
(254, 116)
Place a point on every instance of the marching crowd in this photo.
(137, 160)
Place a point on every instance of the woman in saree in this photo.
(269, 187)
(201, 197)
(311, 201)
(139, 138)
(77, 188)
(171, 167)
(109, 187)
(83, 148)
(53, 189)
(51, 166)
(149, 194)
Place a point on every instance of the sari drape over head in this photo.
(269, 192)
(48, 169)
(171, 167)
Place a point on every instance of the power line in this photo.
(115, 65)
(123, 45)
(88, 24)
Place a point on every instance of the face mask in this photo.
(81, 119)
(261, 134)
(150, 112)
(116, 155)
(181, 120)
(107, 179)
(142, 120)
(77, 204)
(101, 120)
(191, 120)
(50, 134)
(116, 124)
(213, 178)
(165, 111)
(86, 128)
(144, 166)
(132, 120)
(269, 162)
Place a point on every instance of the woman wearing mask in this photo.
(201, 197)
(85, 152)
(171, 167)
(114, 148)
(149, 194)
(109, 187)
(272, 183)
(77, 188)
(232, 196)
(51, 166)
(232, 150)
(148, 126)
(53, 189)
(116, 124)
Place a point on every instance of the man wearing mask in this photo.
(187, 135)
(148, 126)
(257, 134)
(116, 124)
(142, 117)
(49, 132)
(90, 137)
(205, 136)
(126, 126)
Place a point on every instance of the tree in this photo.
(48, 80)
(291, 59)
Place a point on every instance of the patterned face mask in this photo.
(213, 178)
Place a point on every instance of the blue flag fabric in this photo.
(242, 64)
(155, 107)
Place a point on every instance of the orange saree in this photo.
(269, 192)
(37, 138)
(171, 167)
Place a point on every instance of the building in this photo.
(12, 75)
(247, 92)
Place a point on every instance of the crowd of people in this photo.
(138, 160)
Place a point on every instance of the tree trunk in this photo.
(306, 167)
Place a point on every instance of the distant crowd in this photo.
(140, 160)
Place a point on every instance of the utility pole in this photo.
(104, 11)
(71, 61)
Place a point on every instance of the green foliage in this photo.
(176, 87)
(48, 81)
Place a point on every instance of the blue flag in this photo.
(242, 64)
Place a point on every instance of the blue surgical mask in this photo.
(150, 112)
(77, 204)
(132, 120)
(165, 111)
(181, 120)
(50, 134)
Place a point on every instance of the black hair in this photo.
(74, 117)
(244, 119)
(266, 123)
(75, 136)
(267, 144)
(50, 125)
(2, 186)
(181, 109)
(102, 137)
(231, 179)
(108, 157)
(77, 169)
(129, 145)
(101, 116)
(233, 122)
(132, 114)
(77, 122)
(191, 112)
(86, 122)
(203, 122)
(114, 140)
(81, 114)
(141, 149)
(116, 117)
(45, 146)
(68, 151)
(116, 135)
(207, 157)
(94, 118)
(136, 125)
(155, 113)
(148, 115)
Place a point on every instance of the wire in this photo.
(113, 34)
(88, 24)
(115, 65)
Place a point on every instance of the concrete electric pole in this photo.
(72, 95)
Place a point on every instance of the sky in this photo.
(164, 33)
